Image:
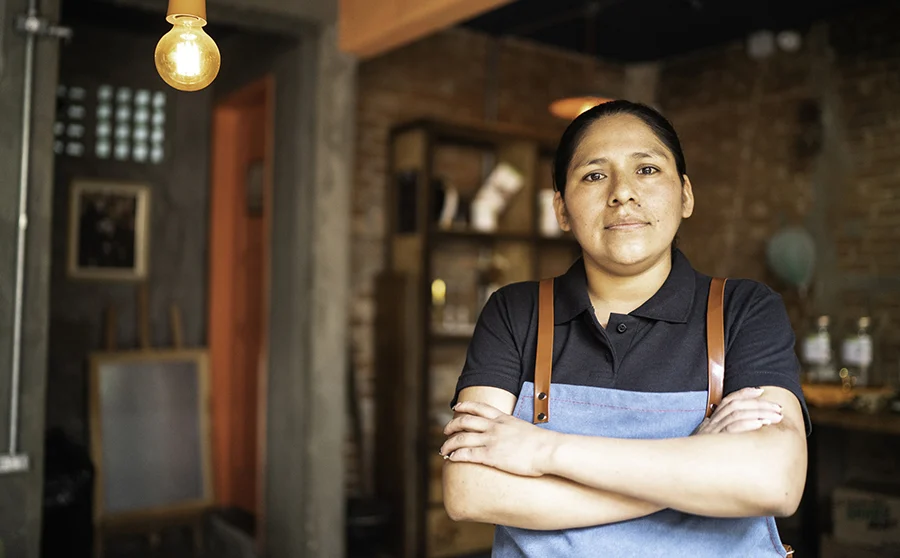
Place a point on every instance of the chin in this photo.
(631, 255)
(627, 259)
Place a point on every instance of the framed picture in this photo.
(108, 230)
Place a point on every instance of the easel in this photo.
(151, 524)
(143, 323)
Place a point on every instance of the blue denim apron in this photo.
(615, 413)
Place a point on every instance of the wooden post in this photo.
(143, 317)
(177, 332)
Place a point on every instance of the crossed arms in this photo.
(506, 471)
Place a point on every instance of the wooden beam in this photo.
(369, 28)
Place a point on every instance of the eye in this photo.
(594, 177)
(648, 170)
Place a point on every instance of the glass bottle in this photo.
(856, 353)
(818, 357)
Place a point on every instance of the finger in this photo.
(764, 417)
(748, 405)
(753, 412)
(466, 423)
(748, 425)
(702, 427)
(742, 394)
(463, 440)
(469, 455)
(732, 424)
(745, 393)
(478, 409)
(762, 414)
(740, 405)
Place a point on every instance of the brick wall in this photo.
(806, 138)
(455, 74)
(866, 210)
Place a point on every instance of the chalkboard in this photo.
(150, 432)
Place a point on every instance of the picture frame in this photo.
(108, 230)
(151, 442)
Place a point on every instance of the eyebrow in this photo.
(649, 154)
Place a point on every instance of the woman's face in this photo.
(624, 198)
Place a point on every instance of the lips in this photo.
(627, 225)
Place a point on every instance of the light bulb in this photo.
(570, 108)
(186, 57)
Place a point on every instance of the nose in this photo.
(621, 190)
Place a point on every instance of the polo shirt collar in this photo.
(671, 303)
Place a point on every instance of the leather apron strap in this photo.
(715, 343)
(543, 363)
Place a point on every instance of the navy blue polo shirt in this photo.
(659, 347)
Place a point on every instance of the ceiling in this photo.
(646, 30)
(120, 17)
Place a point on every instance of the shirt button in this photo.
(622, 328)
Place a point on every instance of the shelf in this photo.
(563, 240)
(410, 350)
(883, 422)
(480, 133)
(451, 338)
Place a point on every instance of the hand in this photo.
(741, 411)
(483, 434)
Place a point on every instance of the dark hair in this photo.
(573, 134)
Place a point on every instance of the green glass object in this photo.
(791, 254)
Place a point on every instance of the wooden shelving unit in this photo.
(420, 347)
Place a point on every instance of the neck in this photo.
(622, 293)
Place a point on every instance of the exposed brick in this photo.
(447, 76)
(753, 131)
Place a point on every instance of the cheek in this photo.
(665, 206)
(582, 212)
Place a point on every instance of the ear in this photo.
(687, 198)
(562, 214)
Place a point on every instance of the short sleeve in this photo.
(493, 359)
(761, 348)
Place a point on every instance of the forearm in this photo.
(725, 475)
(487, 495)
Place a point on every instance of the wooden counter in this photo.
(883, 422)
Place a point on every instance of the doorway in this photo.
(239, 248)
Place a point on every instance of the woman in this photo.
(627, 465)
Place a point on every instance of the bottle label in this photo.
(857, 351)
(816, 349)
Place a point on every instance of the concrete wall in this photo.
(304, 514)
(178, 232)
(304, 469)
(20, 494)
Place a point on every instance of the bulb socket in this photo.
(194, 8)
